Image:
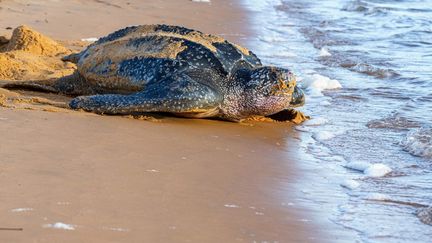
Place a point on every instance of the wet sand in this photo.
(116, 179)
(175, 180)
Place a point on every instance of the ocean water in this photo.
(366, 66)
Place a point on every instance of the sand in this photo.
(70, 176)
(30, 55)
(78, 19)
(172, 181)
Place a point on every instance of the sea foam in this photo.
(316, 83)
(60, 225)
(377, 170)
(350, 184)
(324, 52)
(323, 135)
(315, 121)
(16, 210)
(358, 165)
(378, 197)
(368, 169)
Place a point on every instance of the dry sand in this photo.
(29, 55)
(77, 19)
(114, 179)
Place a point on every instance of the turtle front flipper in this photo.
(178, 94)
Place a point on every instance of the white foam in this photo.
(358, 165)
(60, 225)
(315, 122)
(272, 38)
(324, 52)
(377, 196)
(347, 208)
(284, 54)
(290, 204)
(368, 169)
(231, 206)
(377, 170)
(350, 184)
(325, 103)
(309, 71)
(316, 83)
(91, 39)
(323, 135)
(338, 158)
(17, 210)
(116, 229)
(418, 142)
(302, 128)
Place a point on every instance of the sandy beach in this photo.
(70, 176)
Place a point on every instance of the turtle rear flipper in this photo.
(36, 85)
(73, 84)
(73, 58)
(179, 94)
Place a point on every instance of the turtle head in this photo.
(270, 90)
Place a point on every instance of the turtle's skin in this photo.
(163, 68)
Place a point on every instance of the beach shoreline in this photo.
(73, 176)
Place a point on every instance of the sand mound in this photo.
(31, 55)
(26, 39)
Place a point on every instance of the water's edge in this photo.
(369, 144)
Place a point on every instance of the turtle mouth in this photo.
(298, 97)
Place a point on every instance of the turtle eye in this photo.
(291, 79)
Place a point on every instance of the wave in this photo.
(322, 38)
(425, 215)
(366, 8)
(418, 142)
(395, 121)
(368, 69)
(355, 64)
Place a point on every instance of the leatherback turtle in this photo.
(163, 68)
